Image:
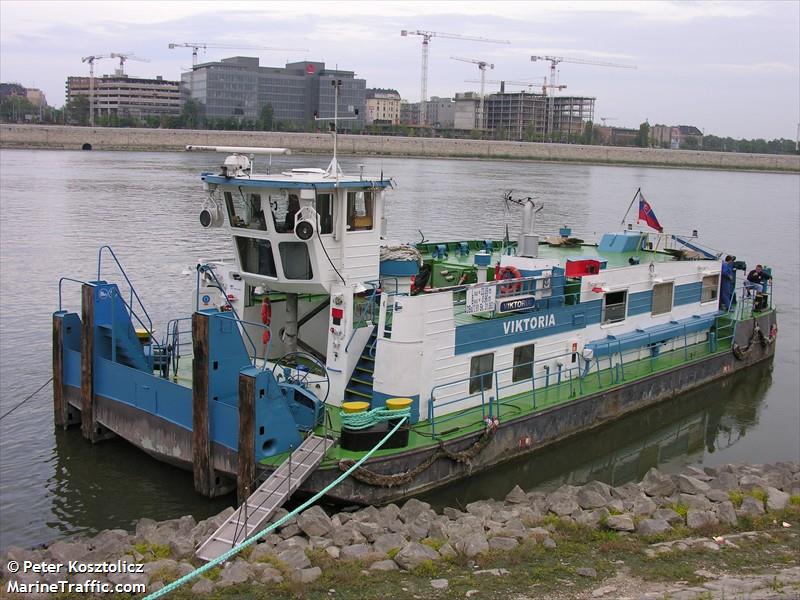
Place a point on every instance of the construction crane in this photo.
(90, 59)
(122, 58)
(554, 61)
(604, 119)
(426, 38)
(196, 46)
(482, 65)
(528, 84)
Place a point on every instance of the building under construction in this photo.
(527, 116)
(124, 96)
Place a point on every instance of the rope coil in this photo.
(363, 420)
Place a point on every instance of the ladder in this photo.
(254, 513)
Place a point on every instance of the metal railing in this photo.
(133, 293)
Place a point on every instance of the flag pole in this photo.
(636, 195)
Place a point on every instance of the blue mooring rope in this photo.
(252, 540)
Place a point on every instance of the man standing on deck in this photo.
(726, 295)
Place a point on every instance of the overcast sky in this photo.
(729, 68)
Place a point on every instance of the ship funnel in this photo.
(528, 245)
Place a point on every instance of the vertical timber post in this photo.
(88, 421)
(245, 468)
(59, 401)
(201, 443)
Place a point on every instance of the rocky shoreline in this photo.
(666, 514)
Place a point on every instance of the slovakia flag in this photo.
(647, 215)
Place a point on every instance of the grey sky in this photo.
(730, 68)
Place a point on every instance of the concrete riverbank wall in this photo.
(104, 138)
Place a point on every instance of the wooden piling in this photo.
(201, 443)
(59, 401)
(246, 465)
(88, 420)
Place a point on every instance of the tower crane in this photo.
(529, 84)
(482, 65)
(90, 59)
(604, 119)
(122, 58)
(426, 38)
(197, 46)
(554, 61)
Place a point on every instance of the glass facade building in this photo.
(239, 87)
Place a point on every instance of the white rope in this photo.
(403, 252)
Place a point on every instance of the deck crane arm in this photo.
(197, 46)
(426, 38)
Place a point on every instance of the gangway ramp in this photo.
(253, 514)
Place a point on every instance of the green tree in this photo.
(643, 137)
(266, 118)
(17, 109)
(191, 114)
(690, 143)
(588, 133)
(78, 110)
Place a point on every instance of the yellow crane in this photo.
(197, 46)
(426, 38)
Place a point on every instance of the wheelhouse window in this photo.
(284, 207)
(244, 210)
(708, 292)
(295, 260)
(360, 211)
(614, 306)
(323, 204)
(523, 363)
(255, 256)
(662, 298)
(480, 373)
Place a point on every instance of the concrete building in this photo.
(125, 96)
(11, 89)
(440, 113)
(676, 136)
(382, 107)
(466, 110)
(36, 97)
(239, 87)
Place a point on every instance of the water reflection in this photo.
(677, 432)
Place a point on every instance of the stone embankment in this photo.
(729, 511)
(109, 138)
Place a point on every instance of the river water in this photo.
(58, 207)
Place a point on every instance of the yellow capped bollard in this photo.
(398, 403)
(354, 407)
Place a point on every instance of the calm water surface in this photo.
(57, 208)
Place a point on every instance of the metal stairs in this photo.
(128, 348)
(254, 513)
(359, 388)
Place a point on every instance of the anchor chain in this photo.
(757, 335)
(465, 457)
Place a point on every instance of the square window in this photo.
(523, 363)
(662, 298)
(614, 306)
(480, 373)
(709, 289)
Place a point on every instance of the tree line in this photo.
(18, 109)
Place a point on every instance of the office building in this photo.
(239, 87)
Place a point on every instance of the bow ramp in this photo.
(254, 513)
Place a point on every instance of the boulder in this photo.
(726, 513)
(516, 496)
(289, 530)
(295, 558)
(370, 513)
(447, 551)
(182, 547)
(439, 584)
(692, 485)
(716, 495)
(695, 502)
(752, 507)
(234, 573)
(668, 515)
(202, 588)
(588, 499)
(307, 575)
(697, 473)
(412, 508)
(355, 552)
(333, 552)
(473, 544)
(503, 543)
(593, 518)
(388, 513)
(314, 522)
(413, 554)
(725, 481)
(388, 541)
(750, 482)
(452, 513)
(696, 519)
(776, 499)
(270, 575)
(384, 565)
(586, 572)
(616, 505)
(643, 506)
(656, 483)
(561, 504)
(62, 552)
(620, 522)
(292, 542)
(369, 529)
(652, 526)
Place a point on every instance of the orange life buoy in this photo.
(508, 273)
(266, 318)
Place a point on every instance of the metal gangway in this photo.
(254, 512)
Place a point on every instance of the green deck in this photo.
(523, 404)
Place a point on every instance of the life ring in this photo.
(506, 273)
(266, 318)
